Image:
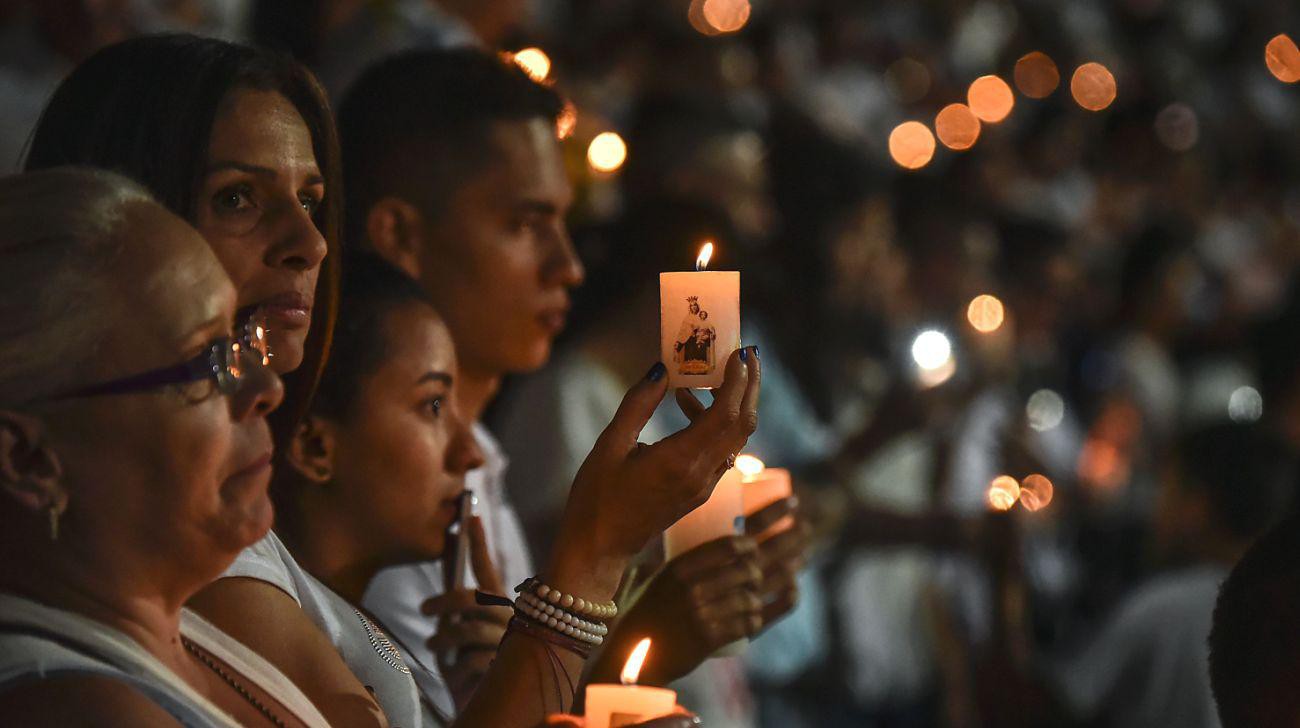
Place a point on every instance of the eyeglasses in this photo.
(221, 364)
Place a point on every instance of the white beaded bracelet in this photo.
(569, 618)
(603, 611)
(529, 607)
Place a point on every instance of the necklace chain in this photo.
(232, 682)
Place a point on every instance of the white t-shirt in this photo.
(395, 594)
(366, 649)
(1150, 664)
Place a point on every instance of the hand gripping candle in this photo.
(699, 323)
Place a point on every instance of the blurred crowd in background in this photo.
(1038, 380)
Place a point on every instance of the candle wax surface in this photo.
(611, 706)
(723, 514)
(764, 489)
(699, 326)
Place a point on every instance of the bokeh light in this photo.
(1177, 127)
(1003, 493)
(1036, 75)
(1283, 58)
(567, 121)
(911, 145)
(749, 466)
(985, 314)
(607, 152)
(931, 349)
(957, 127)
(725, 16)
(1102, 465)
(535, 63)
(1093, 86)
(908, 79)
(1045, 410)
(1036, 492)
(990, 98)
(1245, 404)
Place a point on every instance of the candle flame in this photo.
(749, 466)
(632, 670)
(706, 253)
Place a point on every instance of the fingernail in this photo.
(657, 372)
(744, 354)
(755, 351)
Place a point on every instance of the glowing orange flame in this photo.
(1003, 493)
(986, 314)
(1036, 492)
(706, 253)
(632, 669)
(749, 466)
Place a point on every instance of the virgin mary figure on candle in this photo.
(693, 347)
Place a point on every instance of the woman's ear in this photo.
(394, 229)
(30, 471)
(311, 451)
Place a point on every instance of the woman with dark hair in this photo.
(241, 143)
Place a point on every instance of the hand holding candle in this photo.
(699, 323)
(613, 706)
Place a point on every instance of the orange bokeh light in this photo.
(957, 127)
(1093, 86)
(990, 99)
(1003, 493)
(986, 314)
(534, 61)
(1036, 492)
(567, 121)
(607, 152)
(911, 145)
(723, 16)
(1283, 58)
(1036, 75)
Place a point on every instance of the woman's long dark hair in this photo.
(145, 108)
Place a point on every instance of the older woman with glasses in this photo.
(134, 464)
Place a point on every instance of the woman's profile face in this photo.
(256, 208)
(403, 450)
(176, 476)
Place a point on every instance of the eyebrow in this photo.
(538, 206)
(442, 377)
(315, 179)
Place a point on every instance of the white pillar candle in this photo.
(611, 706)
(763, 486)
(723, 514)
(699, 323)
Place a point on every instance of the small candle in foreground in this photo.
(699, 323)
(761, 487)
(611, 706)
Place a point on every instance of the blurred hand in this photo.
(698, 603)
(468, 634)
(626, 493)
(780, 555)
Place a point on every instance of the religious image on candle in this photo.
(699, 323)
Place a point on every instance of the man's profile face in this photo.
(499, 262)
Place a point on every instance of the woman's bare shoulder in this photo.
(72, 701)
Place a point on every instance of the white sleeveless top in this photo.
(37, 641)
(364, 647)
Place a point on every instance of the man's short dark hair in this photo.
(416, 125)
(1255, 637)
(1246, 475)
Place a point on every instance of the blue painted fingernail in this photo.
(744, 354)
(755, 351)
(657, 372)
